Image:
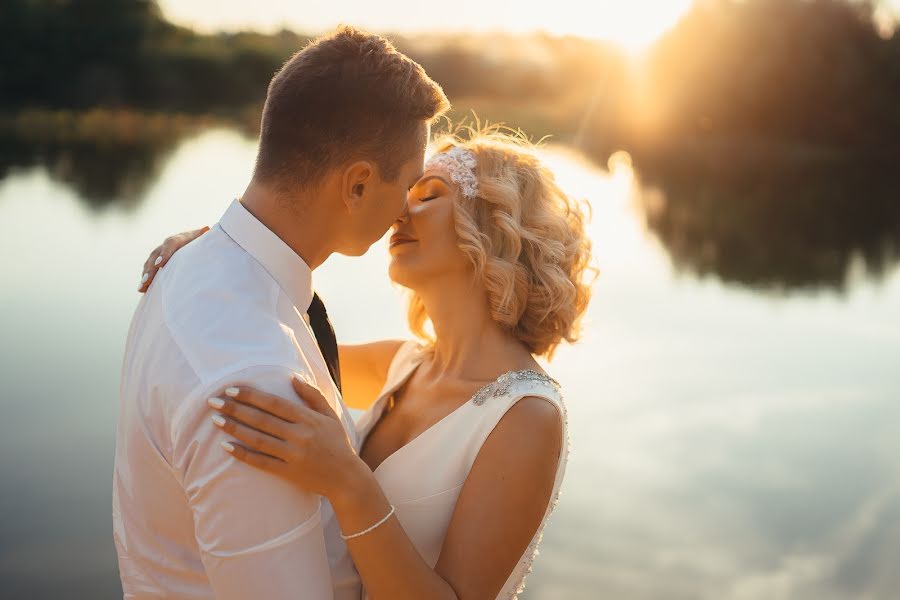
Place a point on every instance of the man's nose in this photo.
(404, 214)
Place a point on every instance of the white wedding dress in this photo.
(423, 478)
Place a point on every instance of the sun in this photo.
(633, 25)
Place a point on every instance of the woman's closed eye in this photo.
(425, 198)
(430, 190)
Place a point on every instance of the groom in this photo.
(343, 137)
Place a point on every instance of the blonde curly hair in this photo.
(525, 238)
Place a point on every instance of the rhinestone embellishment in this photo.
(501, 385)
(460, 163)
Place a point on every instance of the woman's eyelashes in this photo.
(429, 193)
(427, 198)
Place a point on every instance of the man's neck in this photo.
(297, 222)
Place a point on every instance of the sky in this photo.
(632, 24)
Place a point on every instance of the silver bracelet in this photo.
(370, 529)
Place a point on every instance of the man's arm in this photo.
(258, 536)
(364, 369)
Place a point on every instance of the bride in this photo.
(464, 448)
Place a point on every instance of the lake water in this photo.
(734, 405)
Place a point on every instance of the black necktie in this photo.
(321, 326)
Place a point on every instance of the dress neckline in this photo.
(495, 388)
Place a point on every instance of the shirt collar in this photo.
(282, 263)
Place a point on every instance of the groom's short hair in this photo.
(347, 95)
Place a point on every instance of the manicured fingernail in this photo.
(232, 392)
(216, 402)
(145, 278)
(218, 420)
(228, 447)
(157, 261)
(304, 379)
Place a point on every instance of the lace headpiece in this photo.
(460, 163)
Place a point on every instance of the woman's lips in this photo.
(400, 241)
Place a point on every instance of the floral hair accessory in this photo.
(460, 163)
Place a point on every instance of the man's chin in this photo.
(354, 252)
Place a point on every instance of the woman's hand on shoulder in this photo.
(302, 442)
(162, 253)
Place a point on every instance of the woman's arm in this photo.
(503, 500)
(498, 512)
(364, 370)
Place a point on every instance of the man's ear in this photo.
(358, 178)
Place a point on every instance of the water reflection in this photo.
(100, 174)
(778, 226)
(106, 156)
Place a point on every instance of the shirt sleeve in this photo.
(258, 535)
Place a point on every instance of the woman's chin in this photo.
(400, 273)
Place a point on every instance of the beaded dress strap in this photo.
(501, 385)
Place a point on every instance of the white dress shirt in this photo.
(189, 520)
